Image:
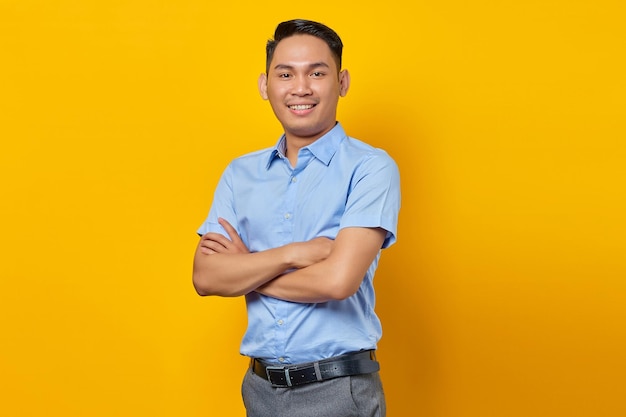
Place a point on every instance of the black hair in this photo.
(304, 27)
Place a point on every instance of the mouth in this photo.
(301, 107)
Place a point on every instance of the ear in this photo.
(263, 85)
(344, 82)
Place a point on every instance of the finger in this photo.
(217, 238)
(234, 236)
(213, 245)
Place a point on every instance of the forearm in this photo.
(334, 278)
(231, 275)
(317, 283)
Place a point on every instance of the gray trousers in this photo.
(349, 396)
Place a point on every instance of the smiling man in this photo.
(298, 230)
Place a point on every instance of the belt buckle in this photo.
(281, 369)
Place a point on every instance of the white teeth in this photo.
(301, 107)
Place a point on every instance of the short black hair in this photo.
(304, 27)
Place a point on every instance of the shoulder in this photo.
(362, 148)
(366, 154)
(251, 160)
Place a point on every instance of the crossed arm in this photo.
(322, 269)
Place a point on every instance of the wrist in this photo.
(290, 255)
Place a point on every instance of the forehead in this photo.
(302, 50)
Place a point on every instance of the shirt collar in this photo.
(323, 148)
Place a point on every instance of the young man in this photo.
(298, 229)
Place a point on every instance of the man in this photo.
(298, 229)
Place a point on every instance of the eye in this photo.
(317, 74)
(284, 75)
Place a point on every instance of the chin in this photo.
(306, 134)
(310, 131)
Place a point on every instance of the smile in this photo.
(301, 106)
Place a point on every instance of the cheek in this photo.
(275, 95)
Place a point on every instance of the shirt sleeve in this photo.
(222, 206)
(374, 198)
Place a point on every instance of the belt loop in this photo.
(287, 377)
(318, 373)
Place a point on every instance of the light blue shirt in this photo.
(338, 182)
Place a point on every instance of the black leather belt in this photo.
(292, 375)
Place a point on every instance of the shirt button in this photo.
(281, 359)
(293, 179)
(287, 216)
(280, 322)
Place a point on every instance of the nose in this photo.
(301, 86)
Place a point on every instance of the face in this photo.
(303, 86)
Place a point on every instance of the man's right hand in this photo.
(212, 243)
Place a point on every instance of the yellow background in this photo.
(505, 295)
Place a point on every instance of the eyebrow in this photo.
(310, 66)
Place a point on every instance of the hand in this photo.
(212, 243)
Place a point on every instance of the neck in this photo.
(293, 146)
(294, 143)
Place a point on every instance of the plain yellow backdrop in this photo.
(505, 295)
